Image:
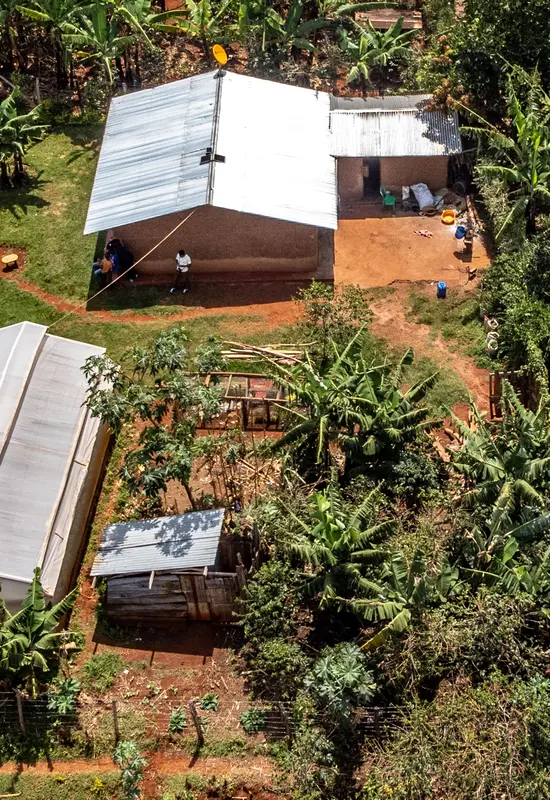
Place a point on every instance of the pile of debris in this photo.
(419, 198)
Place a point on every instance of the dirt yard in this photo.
(372, 249)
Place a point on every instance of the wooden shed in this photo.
(171, 569)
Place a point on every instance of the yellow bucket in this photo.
(448, 216)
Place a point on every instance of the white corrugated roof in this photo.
(182, 541)
(392, 127)
(46, 435)
(273, 139)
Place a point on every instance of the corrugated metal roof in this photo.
(387, 131)
(43, 423)
(390, 102)
(149, 163)
(274, 139)
(182, 541)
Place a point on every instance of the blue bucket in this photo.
(441, 290)
(460, 232)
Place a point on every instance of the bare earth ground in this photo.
(375, 249)
(390, 323)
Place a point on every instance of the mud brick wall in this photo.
(219, 240)
(398, 172)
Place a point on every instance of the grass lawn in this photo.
(62, 787)
(47, 216)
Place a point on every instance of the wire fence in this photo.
(26, 715)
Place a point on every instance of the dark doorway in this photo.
(371, 178)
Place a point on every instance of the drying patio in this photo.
(372, 248)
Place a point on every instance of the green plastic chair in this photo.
(387, 199)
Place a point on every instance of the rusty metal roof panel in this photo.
(388, 132)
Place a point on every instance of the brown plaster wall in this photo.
(398, 172)
(350, 180)
(219, 240)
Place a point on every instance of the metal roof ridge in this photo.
(24, 385)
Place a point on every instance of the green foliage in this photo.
(277, 669)
(331, 315)
(380, 49)
(514, 290)
(253, 720)
(30, 642)
(270, 604)
(353, 403)
(489, 741)
(128, 757)
(72, 786)
(209, 701)
(17, 131)
(402, 591)
(178, 720)
(309, 766)
(415, 477)
(340, 681)
(507, 465)
(467, 639)
(520, 157)
(153, 385)
(337, 543)
(100, 672)
(63, 702)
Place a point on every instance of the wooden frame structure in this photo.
(255, 397)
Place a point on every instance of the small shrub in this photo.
(277, 668)
(254, 720)
(341, 681)
(128, 757)
(209, 701)
(178, 720)
(63, 702)
(100, 672)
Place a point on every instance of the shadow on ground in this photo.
(141, 295)
(197, 640)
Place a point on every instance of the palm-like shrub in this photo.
(507, 465)
(354, 404)
(30, 643)
(337, 544)
(403, 590)
(522, 154)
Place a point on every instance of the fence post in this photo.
(197, 723)
(286, 721)
(115, 721)
(20, 710)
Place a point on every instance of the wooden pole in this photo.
(20, 710)
(115, 721)
(196, 722)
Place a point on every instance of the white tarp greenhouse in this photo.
(51, 454)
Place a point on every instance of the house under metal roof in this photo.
(51, 451)
(232, 142)
(182, 541)
(399, 126)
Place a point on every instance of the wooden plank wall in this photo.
(198, 595)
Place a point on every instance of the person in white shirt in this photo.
(183, 262)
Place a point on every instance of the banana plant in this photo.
(403, 590)
(97, 37)
(369, 48)
(523, 154)
(337, 543)
(30, 644)
(506, 465)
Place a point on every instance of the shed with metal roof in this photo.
(171, 568)
(51, 453)
(250, 156)
(391, 141)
